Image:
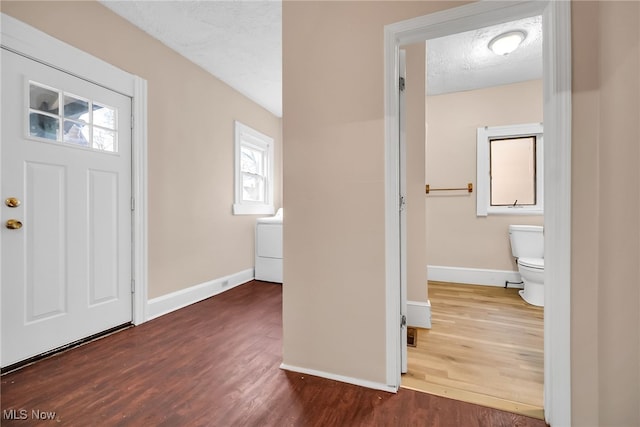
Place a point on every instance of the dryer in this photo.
(268, 264)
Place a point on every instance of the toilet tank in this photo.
(527, 241)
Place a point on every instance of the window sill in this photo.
(512, 211)
(242, 209)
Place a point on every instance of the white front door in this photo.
(66, 246)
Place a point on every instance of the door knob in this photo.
(12, 202)
(13, 224)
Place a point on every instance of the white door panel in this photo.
(103, 242)
(66, 274)
(45, 265)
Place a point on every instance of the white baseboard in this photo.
(164, 304)
(473, 276)
(335, 377)
(419, 314)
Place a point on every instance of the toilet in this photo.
(527, 246)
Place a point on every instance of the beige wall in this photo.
(193, 237)
(605, 295)
(456, 237)
(334, 248)
(415, 134)
(334, 293)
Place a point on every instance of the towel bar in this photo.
(468, 188)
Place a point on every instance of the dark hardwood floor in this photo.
(214, 363)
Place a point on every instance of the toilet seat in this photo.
(535, 263)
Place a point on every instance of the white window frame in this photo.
(483, 181)
(247, 136)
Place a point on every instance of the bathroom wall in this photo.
(193, 236)
(456, 237)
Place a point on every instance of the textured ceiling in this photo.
(239, 42)
(464, 62)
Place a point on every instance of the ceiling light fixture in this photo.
(506, 43)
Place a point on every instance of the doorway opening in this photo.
(485, 344)
(557, 222)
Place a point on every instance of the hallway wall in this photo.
(605, 258)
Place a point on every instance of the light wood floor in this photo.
(485, 346)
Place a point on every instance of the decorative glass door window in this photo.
(80, 121)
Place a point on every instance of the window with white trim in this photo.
(510, 173)
(253, 172)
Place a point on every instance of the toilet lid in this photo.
(537, 263)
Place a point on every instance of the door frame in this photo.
(402, 188)
(557, 120)
(20, 38)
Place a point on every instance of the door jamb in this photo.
(32, 43)
(557, 119)
(402, 184)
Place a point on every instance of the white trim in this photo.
(41, 47)
(419, 314)
(139, 194)
(557, 221)
(30, 42)
(483, 178)
(473, 276)
(392, 215)
(557, 120)
(242, 209)
(341, 378)
(402, 164)
(165, 304)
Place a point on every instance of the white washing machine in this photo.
(269, 248)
